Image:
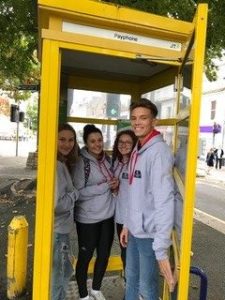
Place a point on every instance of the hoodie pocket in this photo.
(137, 223)
(148, 223)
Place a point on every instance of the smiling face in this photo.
(142, 122)
(66, 142)
(125, 145)
(94, 144)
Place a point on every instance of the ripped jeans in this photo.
(62, 268)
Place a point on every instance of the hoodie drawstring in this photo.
(135, 154)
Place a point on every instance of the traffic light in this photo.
(113, 106)
(21, 116)
(14, 113)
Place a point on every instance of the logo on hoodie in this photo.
(137, 174)
(125, 175)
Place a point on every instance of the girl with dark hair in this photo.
(123, 146)
(94, 211)
(65, 196)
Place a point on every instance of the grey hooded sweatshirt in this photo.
(65, 196)
(95, 202)
(150, 212)
(120, 171)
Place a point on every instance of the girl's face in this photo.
(66, 142)
(125, 144)
(95, 144)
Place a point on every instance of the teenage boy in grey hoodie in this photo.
(150, 208)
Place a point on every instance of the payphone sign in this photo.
(121, 36)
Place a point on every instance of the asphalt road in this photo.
(210, 198)
(208, 254)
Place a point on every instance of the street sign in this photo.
(29, 87)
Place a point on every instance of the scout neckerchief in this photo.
(134, 155)
(104, 170)
(120, 165)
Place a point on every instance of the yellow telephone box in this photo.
(94, 46)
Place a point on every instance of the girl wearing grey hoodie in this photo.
(65, 196)
(122, 148)
(94, 211)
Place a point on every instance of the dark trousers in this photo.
(97, 236)
(119, 228)
(218, 162)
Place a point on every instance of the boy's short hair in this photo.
(143, 102)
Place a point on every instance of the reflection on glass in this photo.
(167, 133)
(164, 99)
(185, 96)
(108, 132)
(181, 151)
(89, 104)
(178, 211)
(180, 164)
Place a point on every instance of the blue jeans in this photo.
(62, 268)
(142, 273)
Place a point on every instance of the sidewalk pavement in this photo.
(216, 176)
(15, 167)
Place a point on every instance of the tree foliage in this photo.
(18, 44)
(19, 39)
(185, 10)
(32, 114)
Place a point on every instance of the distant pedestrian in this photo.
(219, 157)
(210, 160)
(66, 194)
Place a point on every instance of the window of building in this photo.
(213, 109)
(163, 98)
(92, 104)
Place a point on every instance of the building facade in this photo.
(212, 117)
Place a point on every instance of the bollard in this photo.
(17, 257)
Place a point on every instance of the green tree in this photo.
(19, 39)
(18, 45)
(184, 10)
(32, 115)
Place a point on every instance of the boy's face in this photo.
(142, 122)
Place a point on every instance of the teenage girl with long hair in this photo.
(94, 211)
(123, 146)
(65, 196)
